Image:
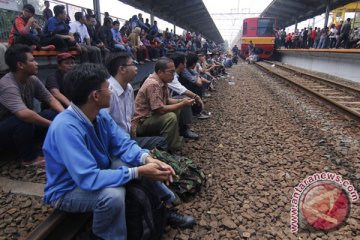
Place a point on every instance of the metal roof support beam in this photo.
(293, 4)
(280, 14)
(296, 23)
(193, 12)
(186, 6)
(283, 9)
(327, 13)
(191, 15)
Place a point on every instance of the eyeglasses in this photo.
(105, 89)
(129, 65)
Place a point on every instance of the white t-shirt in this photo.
(80, 29)
(176, 86)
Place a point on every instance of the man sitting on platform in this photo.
(177, 90)
(156, 113)
(123, 70)
(55, 81)
(56, 31)
(18, 121)
(190, 78)
(79, 31)
(81, 147)
(26, 30)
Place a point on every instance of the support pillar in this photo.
(327, 13)
(174, 29)
(96, 4)
(151, 18)
(296, 24)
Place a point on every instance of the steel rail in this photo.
(350, 111)
(59, 226)
(320, 79)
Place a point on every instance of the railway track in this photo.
(59, 226)
(342, 97)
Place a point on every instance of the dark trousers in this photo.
(153, 52)
(152, 142)
(90, 54)
(61, 45)
(332, 42)
(343, 40)
(28, 39)
(21, 135)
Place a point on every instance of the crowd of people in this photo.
(341, 35)
(96, 133)
(145, 42)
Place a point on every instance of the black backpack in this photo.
(146, 214)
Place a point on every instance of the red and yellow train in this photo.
(261, 32)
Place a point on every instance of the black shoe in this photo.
(190, 134)
(177, 220)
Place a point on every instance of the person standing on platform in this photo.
(344, 34)
(47, 13)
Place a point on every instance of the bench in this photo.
(37, 53)
(46, 58)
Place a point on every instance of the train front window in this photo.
(265, 27)
(245, 28)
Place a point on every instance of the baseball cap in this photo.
(63, 56)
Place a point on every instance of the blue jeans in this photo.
(123, 48)
(107, 205)
(322, 43)
(21, 135)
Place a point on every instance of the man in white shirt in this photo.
(123, 71)
(177, 89)
(122, 107)
(79, 31)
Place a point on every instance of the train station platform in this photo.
(343, 63)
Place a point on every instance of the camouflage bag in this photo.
(189, 177)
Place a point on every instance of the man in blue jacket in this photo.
(79, 147)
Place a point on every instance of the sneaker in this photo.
(136, 62)
(202, 116)
(37, 161)
(207, 95)
(147, 60)
(154, 59)
(177, 220)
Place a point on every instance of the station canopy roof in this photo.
(288, 12)
(191, 15)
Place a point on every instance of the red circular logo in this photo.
(325, 205)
